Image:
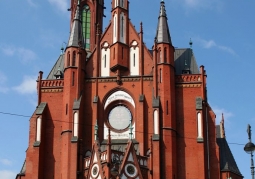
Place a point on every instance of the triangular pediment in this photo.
(95, 168)
(130, 167)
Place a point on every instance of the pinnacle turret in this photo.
(163, 34)
(75, 39)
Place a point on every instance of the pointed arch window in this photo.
(86, 23)
(68, 59)
(159, 56)
(115, 26)
(165, 55)
(121, 3)
(160, 76)
(74, 59)
(105, 60)
(122, 27)
(134, 59)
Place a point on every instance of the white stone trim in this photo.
(119, 95)
(199, 125)
(134, 60)
(156, 121)
(118, 135)
(75, 124)
(105, 62)
(38, 129)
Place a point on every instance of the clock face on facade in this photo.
(120, 117)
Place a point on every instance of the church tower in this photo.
(113, 109)
(165, 93)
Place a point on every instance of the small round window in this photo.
(120, 117)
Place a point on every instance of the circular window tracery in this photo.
(130, 170)
(94, 170)
(120, 117)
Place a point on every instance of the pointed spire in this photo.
(222, 127)
(75, 39)
(163, 34)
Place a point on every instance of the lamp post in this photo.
(249, 148)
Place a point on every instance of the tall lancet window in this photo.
(74, 59)
(159, 56)
(165, 55)
(86, 23)
(116, 3)
(134, 59)
(105, 63)
(121, 3)
(122, 27)
(160, 75)
(115, 25)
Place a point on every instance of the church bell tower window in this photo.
(86, 22)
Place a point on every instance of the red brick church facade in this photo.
(112, 108)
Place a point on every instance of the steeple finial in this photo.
(190, 43)
(163, 34)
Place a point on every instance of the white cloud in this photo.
(26, 55)
(62, 5)
(3, 78)
(28, 85)
(9, 51)
(7, 174)
(212, 44)
(227, 49)
(219, 111)
(6, 162)
(23, 54)
(208, 44)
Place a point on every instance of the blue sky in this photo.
(32, 33)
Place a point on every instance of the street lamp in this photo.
(249, 148)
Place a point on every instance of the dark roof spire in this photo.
(163, 34)
(75, 39)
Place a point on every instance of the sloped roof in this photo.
(227, 161)
(184, 59)
(59, 65)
